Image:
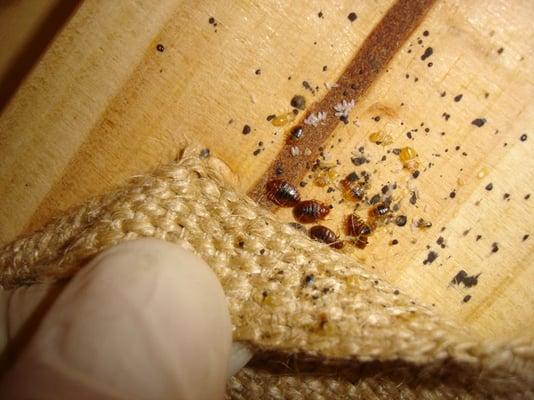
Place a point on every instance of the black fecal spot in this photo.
(458, 97)
(413, 198)
(489, 186)
(479, 122)
(160, 48)
(494, 247)
(401, 220)
(298, 101)
(466, 280)
(428, 52)
(246, 129)
(352, 17)
(308, 280)
(466, 298)
(523, 137)
(431, 256)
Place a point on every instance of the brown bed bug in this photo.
(358, 229)
(282, 193)
(379, 210)
(309, 211)
(325, 235)
(352, 189)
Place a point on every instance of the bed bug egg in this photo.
(282, 193)
(325, 235)
(283, 119)
(309, 211)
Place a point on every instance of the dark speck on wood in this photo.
(432, 255)
(466, 280)
(428, 52)
(478, 122)
(352, 17)
(298, 101)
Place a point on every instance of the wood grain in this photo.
(103, 104)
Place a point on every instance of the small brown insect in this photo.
(296, 132)
(325, 235)
(379, 210)
(423, 224)
(358, 230)
(282, 193)
(308, 211)
(352, 188)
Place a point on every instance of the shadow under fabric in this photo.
(321, 326)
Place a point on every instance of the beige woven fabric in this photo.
(290, 298)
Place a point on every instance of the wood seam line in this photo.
(371, 59)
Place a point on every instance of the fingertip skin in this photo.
(145, 319)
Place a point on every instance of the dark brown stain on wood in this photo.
(370, 60)
(465, 279)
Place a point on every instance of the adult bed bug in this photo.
(358, 230)
(282, 193)
(325, 235)
(308, 211)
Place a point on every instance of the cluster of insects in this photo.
(357, 230)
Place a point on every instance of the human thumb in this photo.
(144, 320)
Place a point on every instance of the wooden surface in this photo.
(103, 103)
